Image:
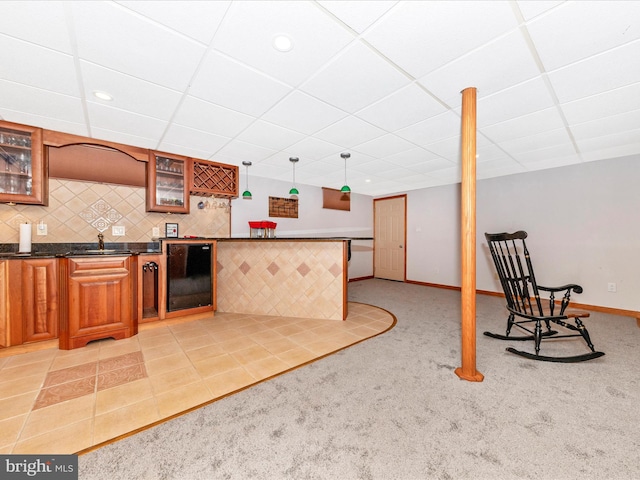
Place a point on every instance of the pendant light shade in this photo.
(246, 195)
(345, 188)
(293, 193)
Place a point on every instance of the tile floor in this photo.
(57, 401)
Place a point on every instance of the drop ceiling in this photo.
(558, 83)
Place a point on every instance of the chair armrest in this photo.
(567, 289)
(571, 286)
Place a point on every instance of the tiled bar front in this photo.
(290, 278)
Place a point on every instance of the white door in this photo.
(389, 238)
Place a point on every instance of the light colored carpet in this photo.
(392, 408)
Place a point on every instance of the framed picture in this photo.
(171, 230)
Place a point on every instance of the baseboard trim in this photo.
(593, 308)
(357, 279)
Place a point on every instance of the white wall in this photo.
(312, 221)
(582, 222)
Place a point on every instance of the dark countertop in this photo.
(44, 250)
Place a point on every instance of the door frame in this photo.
(392, 197)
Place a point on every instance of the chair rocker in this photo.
(527, 310)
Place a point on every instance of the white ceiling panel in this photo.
(226, 82)
(249, 29)
(270, 135)
(402, 108)
(114, 37)
(578, 30)
(42, 23)
(379, 79)
(384, 146)
(196, 19)
(129, 93)
(55, 71)
(350, 131)
(303, 113)
(356, 78)
(109, 118)
(423, 36)
(532, 8)
(358, 15)
(491, 68)
(616, 101)
(598, 74)
(35, 101)
(208, 117)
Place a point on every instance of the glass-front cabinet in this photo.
(167, 187)
(22, 167)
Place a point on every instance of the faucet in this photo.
(100, 241)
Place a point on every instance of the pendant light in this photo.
(345, 188)
(246, 195)
(293, 193)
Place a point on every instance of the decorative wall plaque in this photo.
(283, 207)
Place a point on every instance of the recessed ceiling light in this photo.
(282, 43)
(368, 180)
(102, 96)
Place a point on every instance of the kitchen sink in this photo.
(100, 252)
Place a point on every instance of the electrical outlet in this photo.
(155, 232)
(611, 287)
(117, 231)
(41, 229)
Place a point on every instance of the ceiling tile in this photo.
(226, 82)
(114, 119)
(53, 71)
(193, 140)
(531, 9)
(607, 125)
(303, 113)
(546, 139)
(616, 68)
(433, 129)
(355, 79)
(521, 99)
(196, 19)
(358, 15)
(384, 146)
(493, 67)
(531, 124)
(129, 93)
(349, 131)
(35, 101)
(402, 108)
(208, 117)
(419, 47)
(248, 29)
(577, 30)
(314, 149)
(269, 135)
(242, 151)
(616, 101)
(41, 23)
(141, 48)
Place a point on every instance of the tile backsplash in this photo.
(78, 211)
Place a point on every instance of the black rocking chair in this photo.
(527, 311)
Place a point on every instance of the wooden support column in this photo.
(468, 236)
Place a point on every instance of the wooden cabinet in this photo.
(4, 304)
(23, 170)
(150, 288)
(167, 186)
(30, 300)
(101, 299)
(211, 179)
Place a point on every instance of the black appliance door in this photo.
(188, 276)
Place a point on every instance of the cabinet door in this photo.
(33, 300)
(102, 300)
(4, 311)
(39, 299)
(22, 165)
(167, 187)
